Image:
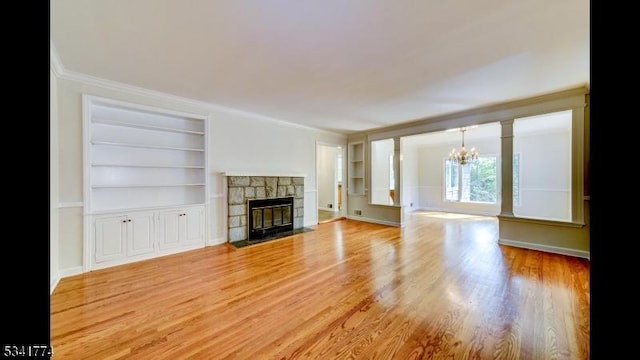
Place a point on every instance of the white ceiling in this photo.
(340, 65)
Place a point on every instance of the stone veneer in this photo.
(242, 188)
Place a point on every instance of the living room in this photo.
(270, 83)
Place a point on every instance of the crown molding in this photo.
(54, 60)
(65, 74)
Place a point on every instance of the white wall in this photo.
(54, 263)
(409, 177)
(431, 177)
(237, 142)
(545, 175)
(327, 186)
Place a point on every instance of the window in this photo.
(382, 171)
(451, 180)
(473, 182)
(516, 179)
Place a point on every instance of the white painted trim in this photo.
(87, 248)
(261, 173)
(216, 241)
(327, 209)
(54, 60)
(546, 248)
(375, 221)
(310, 191)
(74, 204)
(54, 284)
(99, 100)
(71, 271)
(458, 211)
(216, 196)
(118, 86)
(544, 190)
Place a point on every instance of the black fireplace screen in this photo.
(269, 216)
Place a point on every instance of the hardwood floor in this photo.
(439, 288)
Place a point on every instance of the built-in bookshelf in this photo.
(145, 181)
(356, 167)
(143, 157)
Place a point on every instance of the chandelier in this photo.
(462, 156)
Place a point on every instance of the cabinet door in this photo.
(110, 238)
(140, 233)
(172, 228)
(194, 226)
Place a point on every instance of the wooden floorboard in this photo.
(438, 288)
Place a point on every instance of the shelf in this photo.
(143, 185)
(356, 170)
(142, 208)
(146, 127)
(142, 157)
(109, 143)
(150, 166)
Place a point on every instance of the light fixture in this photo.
(462, 156)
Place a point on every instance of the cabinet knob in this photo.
(129, 220)
(124, 220)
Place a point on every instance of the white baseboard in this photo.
(327, 209)
(375, 221)
(216, 241)
(71, 271)
(54, 283)
(458, 211)
(547, 248)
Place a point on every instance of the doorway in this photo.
(330, 182)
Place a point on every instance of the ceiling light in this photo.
(462, 156)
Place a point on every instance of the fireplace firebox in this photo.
(269, 217)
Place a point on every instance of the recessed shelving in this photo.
(150, 166)
(145, 146)
(145, 126)
(141, 185)
(146, 165)
(355, 171)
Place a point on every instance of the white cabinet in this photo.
(194, 234)
(110, 238)
(145, 186)
(123, 238)
(180, 228)
(171, 223)
(118, 237)
(140, 233)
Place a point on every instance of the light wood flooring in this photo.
(438, 288)
(327, 216)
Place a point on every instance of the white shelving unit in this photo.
(356, 167)
(140, 162)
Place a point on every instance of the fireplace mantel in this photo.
(261, 173)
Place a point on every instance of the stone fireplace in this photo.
(243, 189)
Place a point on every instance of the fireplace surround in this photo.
(244, 188)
